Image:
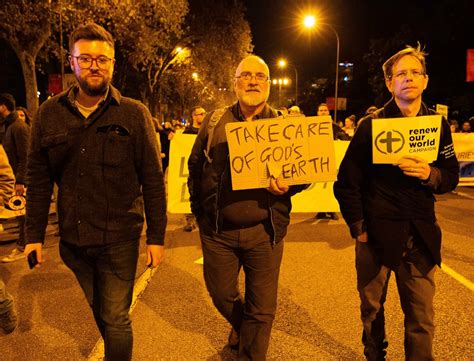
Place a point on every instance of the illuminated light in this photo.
(195, 76)
(282, 63)
(280, 81)
(285, 81)
(179, 49)
(275, 81)
(309, 21)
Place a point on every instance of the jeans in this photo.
(416, 288)
(106, 274)
(224, 255)
(6, 300)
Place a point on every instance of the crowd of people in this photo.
(100, 225)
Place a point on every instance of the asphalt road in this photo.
(317, 318)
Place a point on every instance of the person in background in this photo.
(244, 228)
(453, 125)
(15, 142)
(24, 115)
(166, 135)
(349, 125)
(466, 127)
(100, 148)
(294, 111)
(338, 134)
(389, 209)
(197, 116)
(8, 314)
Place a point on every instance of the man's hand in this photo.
(277, 186)
(362, 238)
(38, 247)
(155, 255)
(414, 166)
(19, 189)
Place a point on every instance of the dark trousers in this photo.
(20, 243)
(106, 275)
(224, 255)
(416, 288)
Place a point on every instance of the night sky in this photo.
(442, 26)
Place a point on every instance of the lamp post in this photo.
(310, 22)
(282, 63)
(280, 82)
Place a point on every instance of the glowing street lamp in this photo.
(310, 22)
(282, 63)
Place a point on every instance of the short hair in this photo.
(90, 31)
(322, 105)
(417, 52)
(193, 109)
(8, 100)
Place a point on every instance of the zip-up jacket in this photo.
(207, 179)
(15, 143)
(380, 199)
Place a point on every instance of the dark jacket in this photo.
(380, 199)
(205, 180)
(15, 143)
(107, 168)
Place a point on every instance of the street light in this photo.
(282, 63)
(280, 82)
(310, 22)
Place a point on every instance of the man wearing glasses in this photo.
(242, 228)
(390, 212)
(100, 148)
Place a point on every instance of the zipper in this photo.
(219, 190)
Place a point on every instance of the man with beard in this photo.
(101, 150)
(243, 228)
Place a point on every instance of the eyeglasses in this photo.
(247, 76)
(403, 74)
(85, 61)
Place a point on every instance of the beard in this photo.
(94, 89)
(254, 99)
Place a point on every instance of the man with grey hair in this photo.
(243, 228)
(390, 212)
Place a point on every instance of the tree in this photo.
(26, 37)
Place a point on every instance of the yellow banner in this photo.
(464, 148)
(318, 197)
(298, 149)
(394, 138)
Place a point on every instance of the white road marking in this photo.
(461, 279)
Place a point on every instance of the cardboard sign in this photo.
(394, 138)
(298, 149)
(442, 109)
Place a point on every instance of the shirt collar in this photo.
(264, 114)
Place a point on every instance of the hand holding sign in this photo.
(414, 166)
(278, 186)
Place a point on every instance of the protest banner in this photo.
(178, 195)
(298, 149)
(464, 149)
(394, 138)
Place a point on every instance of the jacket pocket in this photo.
(56, 147)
